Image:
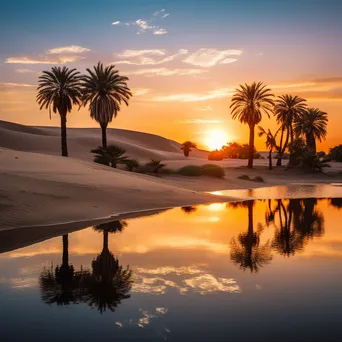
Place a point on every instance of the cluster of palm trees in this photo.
(102, 89)
(296, 121)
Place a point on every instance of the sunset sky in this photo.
(184, 58)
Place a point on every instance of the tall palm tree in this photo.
(187, 146)
(312, 124)
(104, 90)
(287, 110)
(249, 103)
(270, 143)
(60, 89)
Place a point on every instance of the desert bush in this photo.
(258, 179)
(190, 170)
(212, 170)
(131, 164)
(244, 177)
(216, 155)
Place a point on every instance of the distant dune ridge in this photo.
(142, 146)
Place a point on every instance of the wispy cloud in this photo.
(26, 71)
(160, 31)
(141, 91)
(200, 121)
(210, 57)
(194, 97)
(205, 108)
(68, 49)
(15, 85)
(147, 25)
(137, 53)
(42, 60)
(143, 57)
(166, 72)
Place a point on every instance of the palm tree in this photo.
(270, 143)
(131, 164)
(287, 110)
(155, 165)
(246, 251)
(312, 124)
(111, 155)
(104, 90)
(60, 89)
(248, 105)
(187, 146)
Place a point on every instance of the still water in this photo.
(264, 270)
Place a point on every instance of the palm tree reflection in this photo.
(299, 222)
(246, 250)
(104, 288)
(109, 283)
(189, 209)
(62, 285)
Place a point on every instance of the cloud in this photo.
(210, 57)
(201, 121)
(137, 53)
(194, 97)
(205, 108)
(68, 49)
(140, 91)
(42, 60)
(166, 72)
(160, 31)
(142, 59)
(15, 85)
(26, 71)
(147, 25)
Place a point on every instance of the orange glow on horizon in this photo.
(216, 139)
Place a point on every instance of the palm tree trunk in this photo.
(251, 146)
(64, 135)
(270, 159)
(65, 258)
(292, 140)
(280, 154)
(104, 135)
(311, 143)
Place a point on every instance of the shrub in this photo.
(212, 170)
(258, 179)
(132, 164)
(155, 165)
(244, 177)
(111, 155)
(190, 170)
(216, 155)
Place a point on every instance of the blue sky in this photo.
(187, 54)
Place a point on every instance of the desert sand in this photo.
(40, 188)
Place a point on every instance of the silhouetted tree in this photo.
(104, 90)
(60, 89)
(270, 143)
(312, 124)
(112, 155)
(336, 202)
(187, 146)
(287, 110)
(248, 105)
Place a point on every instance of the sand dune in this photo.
(142, 146)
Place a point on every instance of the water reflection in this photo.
(246, 250)
(104, 288)
(62, 285)
(189, 209)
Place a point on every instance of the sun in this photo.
(216, 139)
